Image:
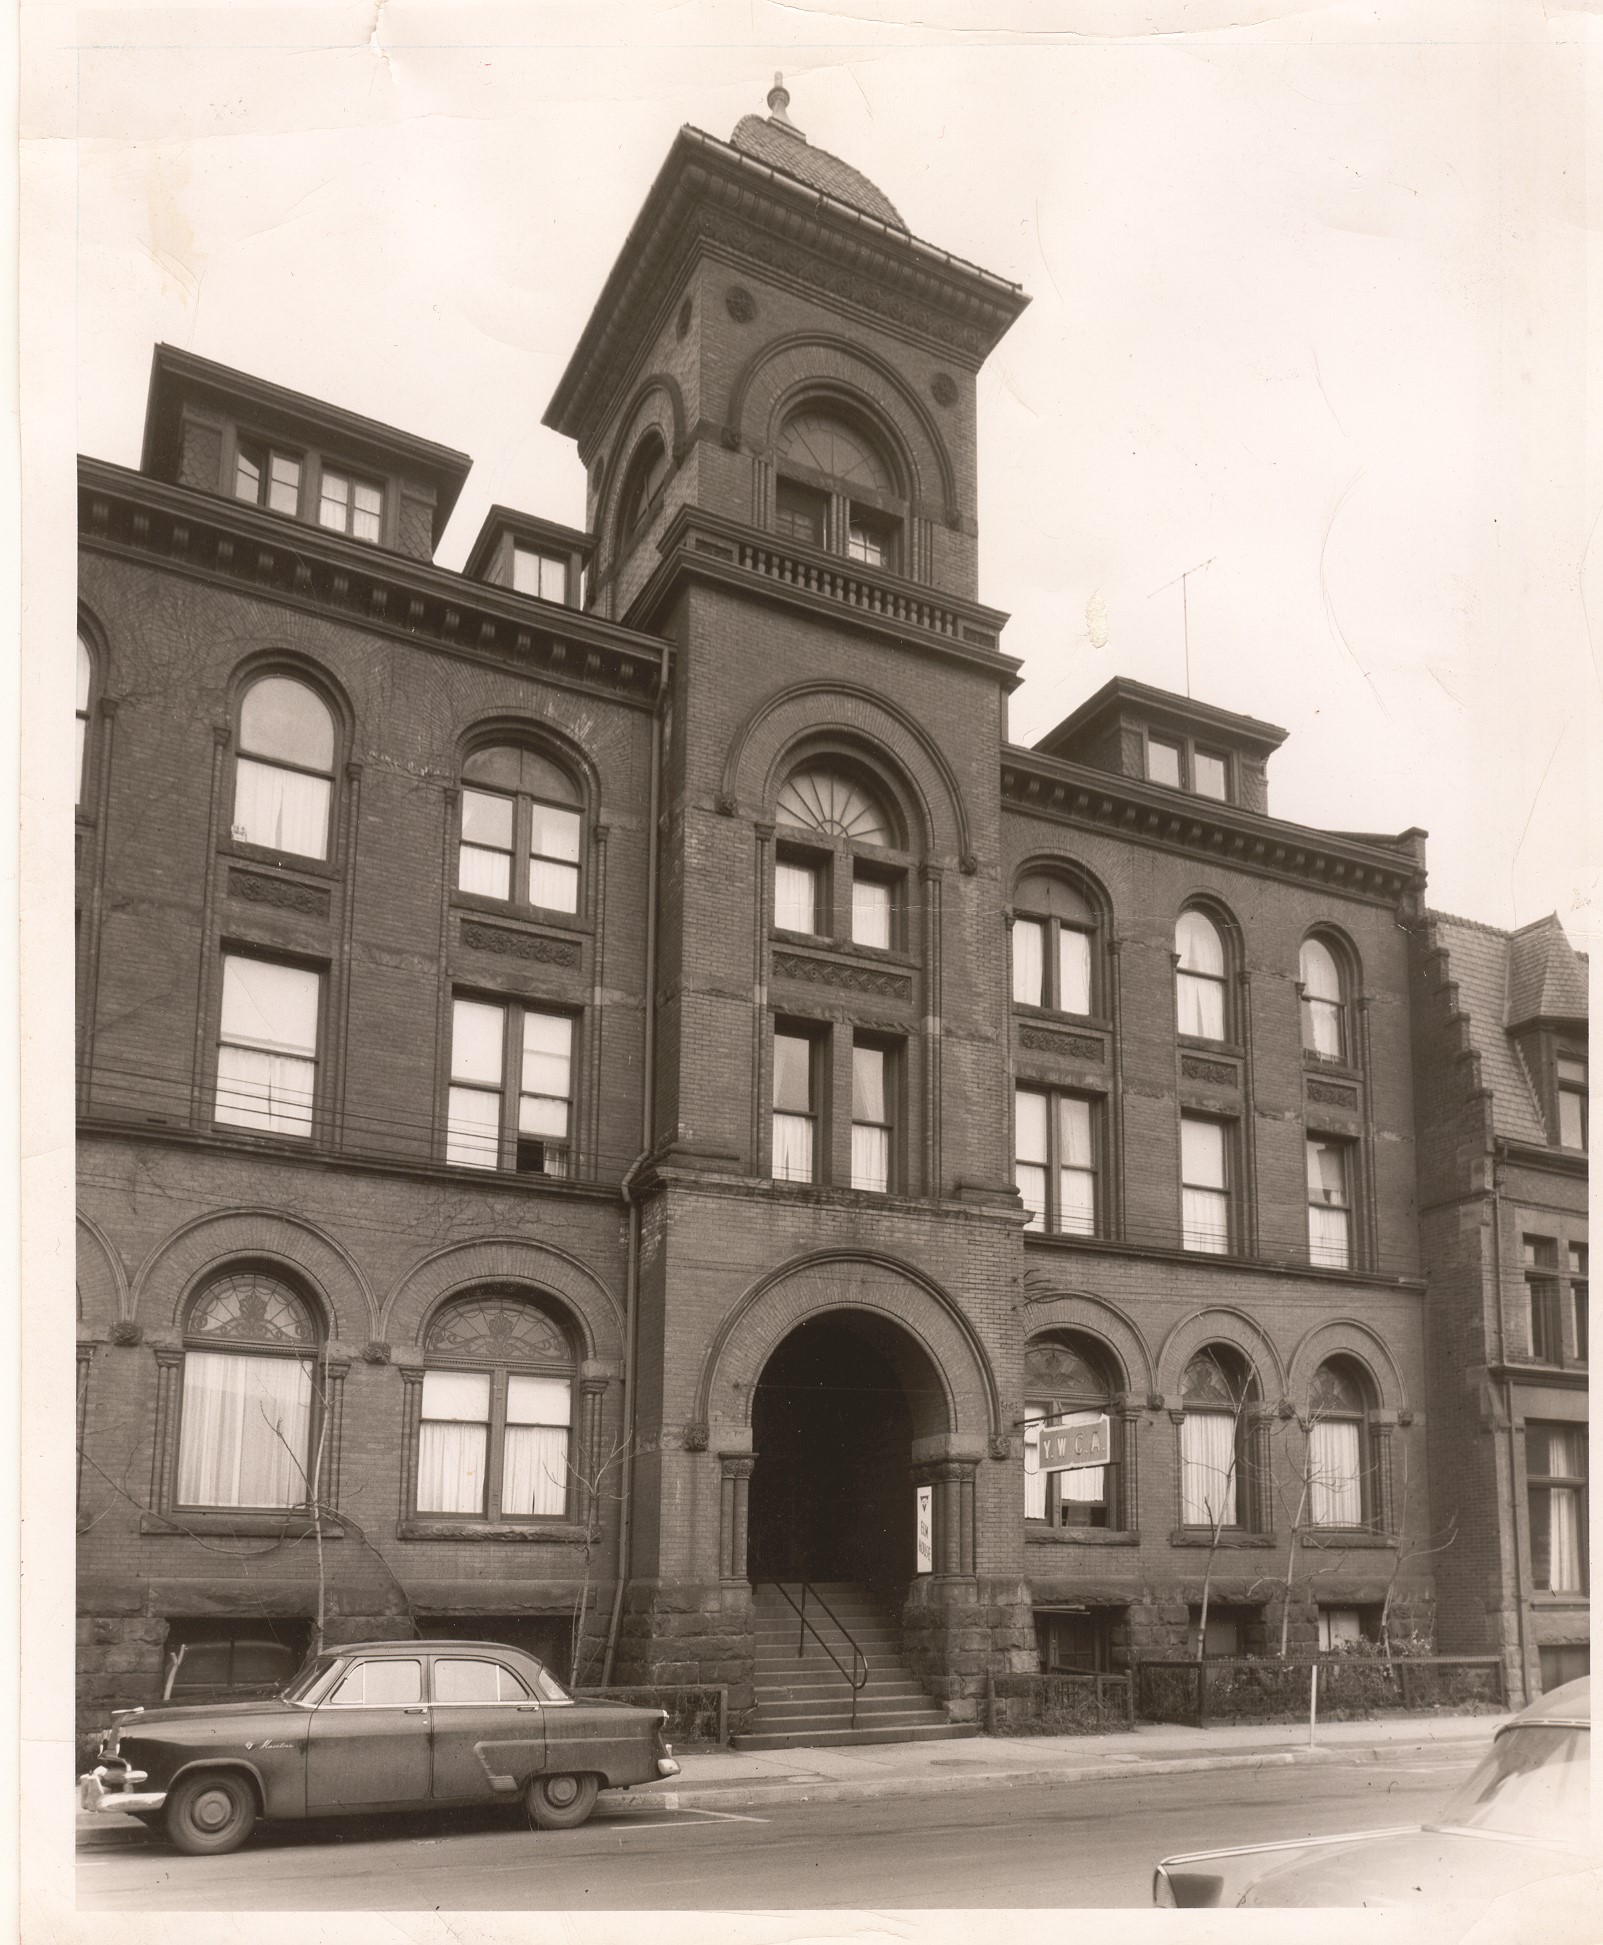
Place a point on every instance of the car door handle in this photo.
(414, 1711)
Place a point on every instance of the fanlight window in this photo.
(1063, 1384)
(246, 1419)
(825, 800)
(504, 1329)
(824, 444)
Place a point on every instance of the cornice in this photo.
(1061, 792)
(708, 191)
(264, 555)
(1570, 1162)
(707, 547)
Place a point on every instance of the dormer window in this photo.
(267, 478)
(1210, 776)
(538, 573)
(350, 506)
(1164, 762)
(1178, 764)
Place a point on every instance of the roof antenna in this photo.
(778, 103)
(1185, 607)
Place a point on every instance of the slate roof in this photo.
(1499, 974)
(789, 151)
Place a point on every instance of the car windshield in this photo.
(1536, 1782)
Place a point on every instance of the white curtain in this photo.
(795, 898)
(246, 1428)
(453, 1442)
(1201, 1007)
(871, 913)
(793, 1148)
(1564, 1540)
(1029, 962)
(553, 864)
(489, 873)
(534, 1461)
(871, 1157)
(1322, 1027)
(1335, 1490)
(1030, 1152)
(473, 1128)
(1206, 1217)
(270, 1092)
(281, 809)
(1207, 1468)
(1328, 1244)
(1074, 970)
(555, 887)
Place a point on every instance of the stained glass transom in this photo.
(825, 445)
(1060, 1372)
(1335, 1389)
(1208, 1382)
(824, 800)
(251, 1308)
(499, 1330)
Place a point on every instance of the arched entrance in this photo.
(834, 1415)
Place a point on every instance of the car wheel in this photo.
(562, 1802)
(210, 1813)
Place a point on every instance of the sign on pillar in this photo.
(924, 1528)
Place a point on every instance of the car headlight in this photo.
(1162, 1889)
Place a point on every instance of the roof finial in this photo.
(778, 103)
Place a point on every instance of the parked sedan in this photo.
(374, 1726)
(1522, 1820)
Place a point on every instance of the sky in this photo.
(1307, 322)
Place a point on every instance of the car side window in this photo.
(476, 1681)
(373, 1684)
(549, 1688)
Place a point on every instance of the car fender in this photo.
(275, 1799)
(1198, 1879)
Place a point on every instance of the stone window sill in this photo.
(1549, 1602)
(1079, 1536)
(1335, 1539)
(240, 1526)
(562, 1533)
(1192, 1536)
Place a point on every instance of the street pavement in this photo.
(996, 1821)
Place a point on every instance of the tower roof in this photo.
(775, 139)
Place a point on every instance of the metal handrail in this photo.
(854, 1681)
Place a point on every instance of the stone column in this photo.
(1127, 1416)
(590, 1392)
(734, 1496)
(169, 1362)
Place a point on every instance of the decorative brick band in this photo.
(283, 894)
(1194, 1068)
(1332, 1095)
(519, 945)
(1076, 1046)
(857, 979)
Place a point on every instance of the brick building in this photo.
(1501, 1019)
(613, 1056)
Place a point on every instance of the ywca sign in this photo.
(1063, 1447)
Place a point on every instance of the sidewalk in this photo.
(729, 1779)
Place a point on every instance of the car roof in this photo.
(1571, 1703)
(411, 1649)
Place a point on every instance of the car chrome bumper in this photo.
(666, 1766)
(93, 1794)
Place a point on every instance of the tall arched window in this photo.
(1338, 1404)
(496, 1410)
(1215, 1391)
(836, 490)
(1324, 1001)
(642, 488)
(517, 805)
(1054, 938)
(284, 776)
(86, 670)
(246, 1421)
(828, 801)
(1200, 982)
(1067, 1379)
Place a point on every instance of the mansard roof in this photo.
(1546, 975)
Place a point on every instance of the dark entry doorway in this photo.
(832, 1428)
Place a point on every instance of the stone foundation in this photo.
(955, 1631)
(675, 1633)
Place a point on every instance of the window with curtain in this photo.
(872, 1100)
(1201, 1012)
(873, 909)
(284, 773)
(521, 829)
(795, 1121)
(267, 1046)
(1053, 946)
(1214, 1392)
(351, 506)
(1324, 1001)
(1555, 1474)
(1055, 1160)
(511, 1094)
(797, 898)
(538, 573)
(1204, 1185)
(1067, 1380)
(245, 1429)
(1330, 1244)
(86, 670)
(1338, 1405)
(496, 1412)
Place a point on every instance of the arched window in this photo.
(1068, 1380)
(496, 1409)
(1201, 1011)
(1214, 1391)
(284, 776)
(246, 1423)
(825, 800)
(642, 489)
(518, 804)
(1054, 939)
(1338, 1404)
(86, 671)
(1324, 1001)
(832, 488)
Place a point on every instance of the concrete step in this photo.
(837, 1709)
(851, 1738)
(876, 1685)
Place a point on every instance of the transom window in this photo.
(267, 1046)
(349, 505)
(511, 1093)
(1337, 1405)
(1214, 1391)
(284, 775)
(827, 800)
(1201, 1012)
(517, 804)
(825, 444)
(495, 1412)
(267, 477)
(1066, 1382)
(1324, 1011)
(245, 1424)
(1052, 946)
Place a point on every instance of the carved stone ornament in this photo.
(968, 864)
(124, 1331)
(283, 894)
(1331, 1095)
(519, 945)
(943, 388)
(724, 804)
(1194, 1068)
(1001, 1446)
(740, 304)
(856, 979)
(1043, 1040)
(377, 1352)
(695, 1439)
